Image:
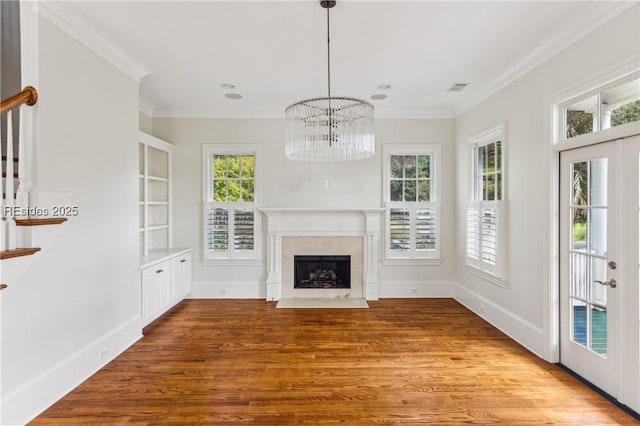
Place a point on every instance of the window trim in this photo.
(560, 119)
(435, 150)
(252, 257)
(497, 273)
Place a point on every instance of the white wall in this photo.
(145, 122)
(78, 305)
(518, 308)
(287, 183)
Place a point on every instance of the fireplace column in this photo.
(274, 273)
(371, 254)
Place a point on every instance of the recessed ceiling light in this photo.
(457, 87)
(384, 86)
(378, 97)
(227, 86)
(233, 95)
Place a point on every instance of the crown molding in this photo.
(261, 113)
(278, 113)
(69, 21)
(573, 33)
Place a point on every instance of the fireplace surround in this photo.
(316, 231)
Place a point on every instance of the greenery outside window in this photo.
(411, 196)
(484, 225)
(231, 217)
(609, 106)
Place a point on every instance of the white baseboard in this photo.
(257, 290)
(32, 398)
(413, 289)
(517, 328)
(227, 290)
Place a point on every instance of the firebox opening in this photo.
(322, 272)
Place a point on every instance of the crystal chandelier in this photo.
(330, 129)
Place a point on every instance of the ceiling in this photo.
(274, 52)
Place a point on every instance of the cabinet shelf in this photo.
(154, 193)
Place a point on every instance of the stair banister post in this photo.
(25, 139)
(10, 187)
(3, 222)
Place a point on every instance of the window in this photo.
(231, 217)
(484, 236)
(411, 195)
(609, 106)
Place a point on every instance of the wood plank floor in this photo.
(406, 361)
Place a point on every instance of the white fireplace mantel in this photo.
(325, 222)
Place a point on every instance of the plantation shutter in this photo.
(218, 229)
(244, 230)
(482, 235)
(399, 229)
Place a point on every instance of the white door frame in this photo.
(552, 146)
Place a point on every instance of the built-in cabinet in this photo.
(154, 182)
(165, 272)
(166, 280)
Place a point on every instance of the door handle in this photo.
(611, 283)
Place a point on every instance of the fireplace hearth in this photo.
(322, 272)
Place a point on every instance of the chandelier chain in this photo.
(329, 75)
(331, 129)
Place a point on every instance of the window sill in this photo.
(231, 262)
(487, 276)
(412, 262)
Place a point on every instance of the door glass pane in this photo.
(579, 316)
(579, 275)
(579, 230)
(579, 184)
(598, 272)
(598, 232)
(599, 330)
(598, 182)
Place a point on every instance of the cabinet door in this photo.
(163, 276)
(180, 276)
(156, 291)
(149, 301)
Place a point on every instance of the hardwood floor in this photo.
(405, 361)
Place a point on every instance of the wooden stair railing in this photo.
(40, 222)
(28, 96)
(13, 168)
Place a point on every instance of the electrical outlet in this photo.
(414, 291)
(328, 183)
(224, 291)
(483, 309)
(102, 353)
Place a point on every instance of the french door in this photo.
(599, 262)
